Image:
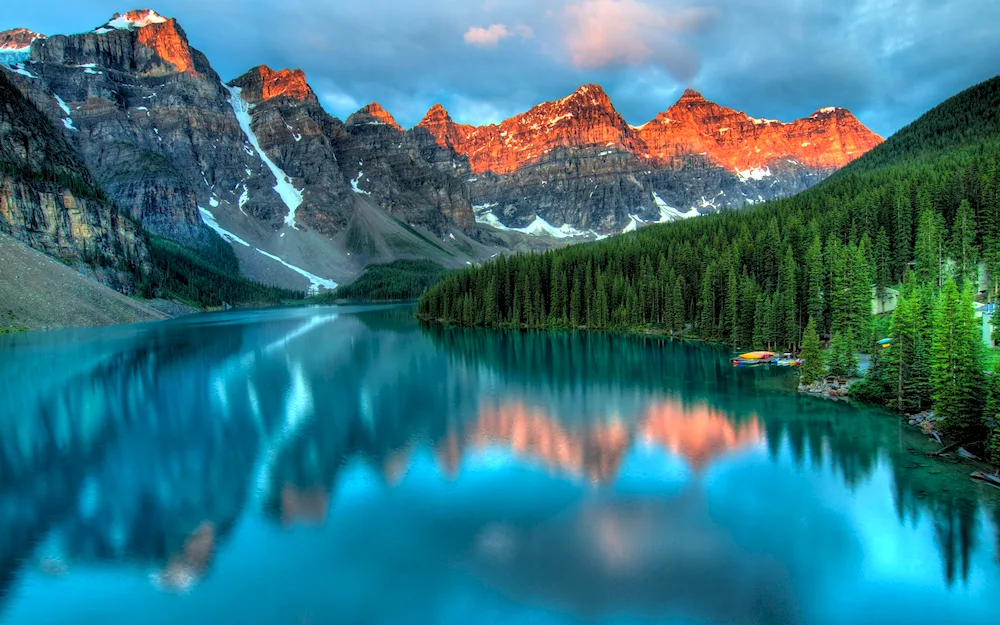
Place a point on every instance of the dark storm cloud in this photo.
(886, 60)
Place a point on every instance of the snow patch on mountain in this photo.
(669, 213)
(132, 20)
(755, 173)
(315, 281)
(538, 227)
(291, 196)
(68, 120)
(209, 220)
(356, 181)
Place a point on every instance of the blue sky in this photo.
(886, 60)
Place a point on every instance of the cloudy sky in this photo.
(886, 60)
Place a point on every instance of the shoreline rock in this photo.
(829, 387)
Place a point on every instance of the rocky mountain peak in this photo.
(132, 20)
(445, 131)
(374, 114)
(690, 96)
(18, 38)
(831, 111)
(160, 34)
(436, 114)
(588, 96)
(693, 105)
(263, 83)
(827, 140)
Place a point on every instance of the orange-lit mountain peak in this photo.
(586, 118)
(446, 132)
(374, 113)
(289, 83)
(587, 95)
(690, 96)
(263, 83)
(436, 114)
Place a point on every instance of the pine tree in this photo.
(576, 302)
(760, 334)
(559, 295)
(860, 283)
(908, 357)
(963, 236)
(883, 268)
(813, 365)
(677, 298)
(706, 303)
(926, 249)
(492, 311)
(839, 280)
(787, 308)
(814, 280)
(842, 360)
(956, 370)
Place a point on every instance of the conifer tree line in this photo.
(754, 278)
(919, 215)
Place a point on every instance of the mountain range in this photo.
(145, 127)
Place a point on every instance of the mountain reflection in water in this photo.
(347, 464)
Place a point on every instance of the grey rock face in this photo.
(49, 200)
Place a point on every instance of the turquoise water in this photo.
(345, 465)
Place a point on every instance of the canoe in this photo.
(753, 358)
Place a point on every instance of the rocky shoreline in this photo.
(927, 422)
(830, 388)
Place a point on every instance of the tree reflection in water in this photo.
(146, 453)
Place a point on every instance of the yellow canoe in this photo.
(756, 355)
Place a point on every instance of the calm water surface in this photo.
(345, 465)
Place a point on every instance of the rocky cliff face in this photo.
(333, 164)
(146, 112)
(576, 162)
(399, 173)
(292, 129)
(49, 200)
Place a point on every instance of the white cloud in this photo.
(486, 37)
(491, 36)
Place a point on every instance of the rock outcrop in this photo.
(49, 200)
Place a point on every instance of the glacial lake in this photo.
(347, 465)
